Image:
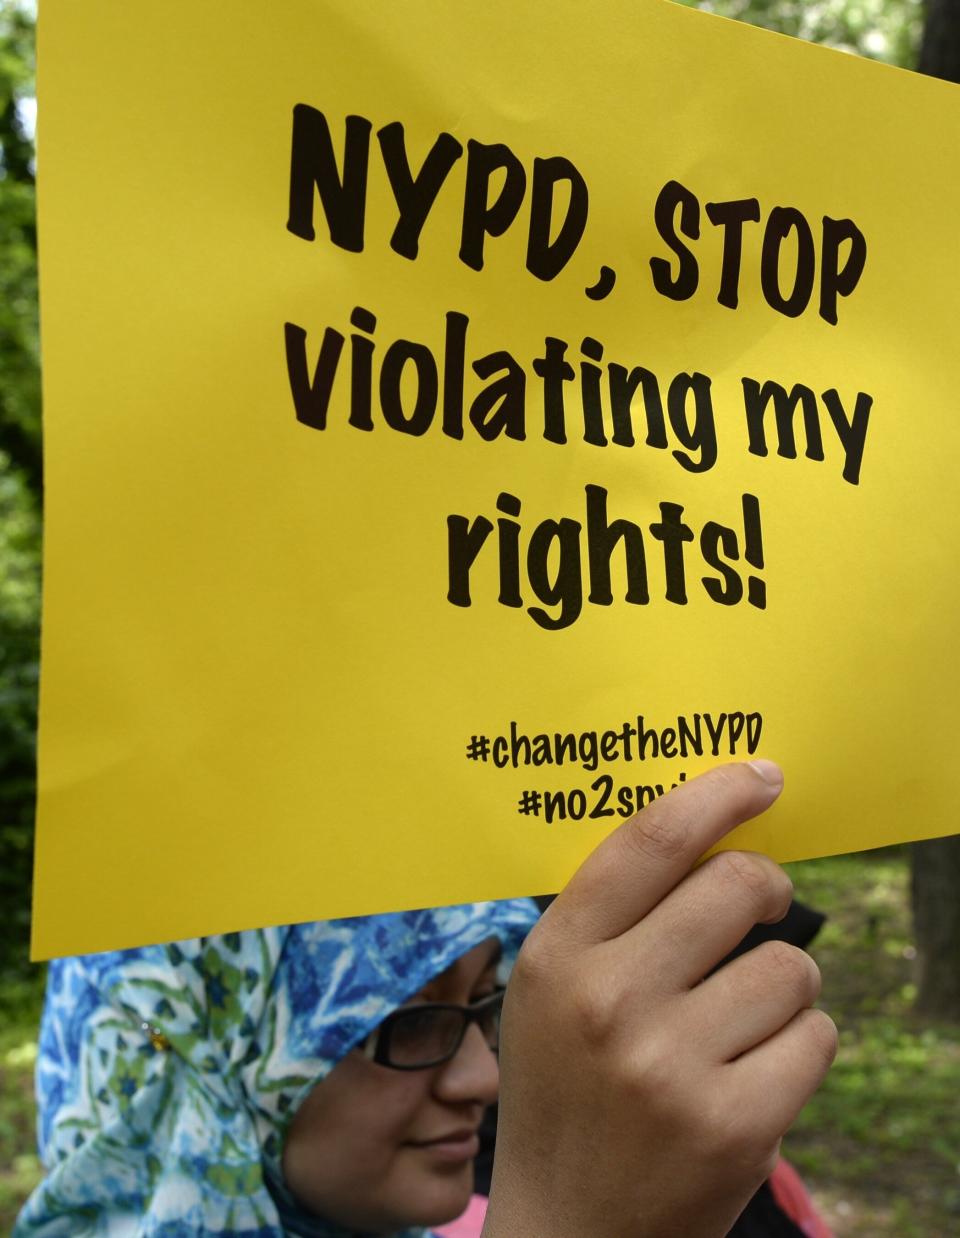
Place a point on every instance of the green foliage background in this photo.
(887, 30)
(20, 491)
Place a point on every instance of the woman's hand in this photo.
(639, 1099)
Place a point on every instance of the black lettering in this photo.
(690, 740)
(623, 385)
(784, 219)
(361, 370)
(604, 788)
(684, 285)
(546, 258)
(588, 750)
(414, 195)
(554, 371)
(454, 354)
(609, 744)
(313, 164)
(509, 531)
(566, 589)
(481, 218)
(702, 435)
(464, 541)
(602, 539)
(590, 375)
(753, 550)
(647, 736)
(852, 433)
(500, 406)
(542, 754)
(519, 746)
(714, 539)
(756, 399)
(672, 532)
(576, 804)
(566, 747)
(731, 216)
(836, 280)
(715, 732)
(311, 399)
(554, 806)
(391, 376)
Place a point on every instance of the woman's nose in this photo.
(472, 1074)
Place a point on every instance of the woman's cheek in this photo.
(352, 1123)
(347, 1156)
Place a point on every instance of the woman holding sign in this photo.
(254, 1083)
(177, 1083)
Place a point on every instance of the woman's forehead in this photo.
(467, 969)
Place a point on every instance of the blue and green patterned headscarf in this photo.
(167, 1075)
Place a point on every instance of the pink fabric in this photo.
(469, 1224)
(794, 1199)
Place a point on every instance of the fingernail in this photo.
(769, 771)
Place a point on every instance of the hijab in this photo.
(167, 1075)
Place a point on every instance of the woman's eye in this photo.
(415, 1023)
(484, 992)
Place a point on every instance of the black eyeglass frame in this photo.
(377, 1045)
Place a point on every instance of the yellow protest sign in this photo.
(462, 428)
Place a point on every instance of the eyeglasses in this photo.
(417, 1037)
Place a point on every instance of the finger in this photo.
(751, 999)
(708, 914)
(775, 1080)
(637, 865)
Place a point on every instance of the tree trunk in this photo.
(935, 884)
(935, 888)
(940, 50)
